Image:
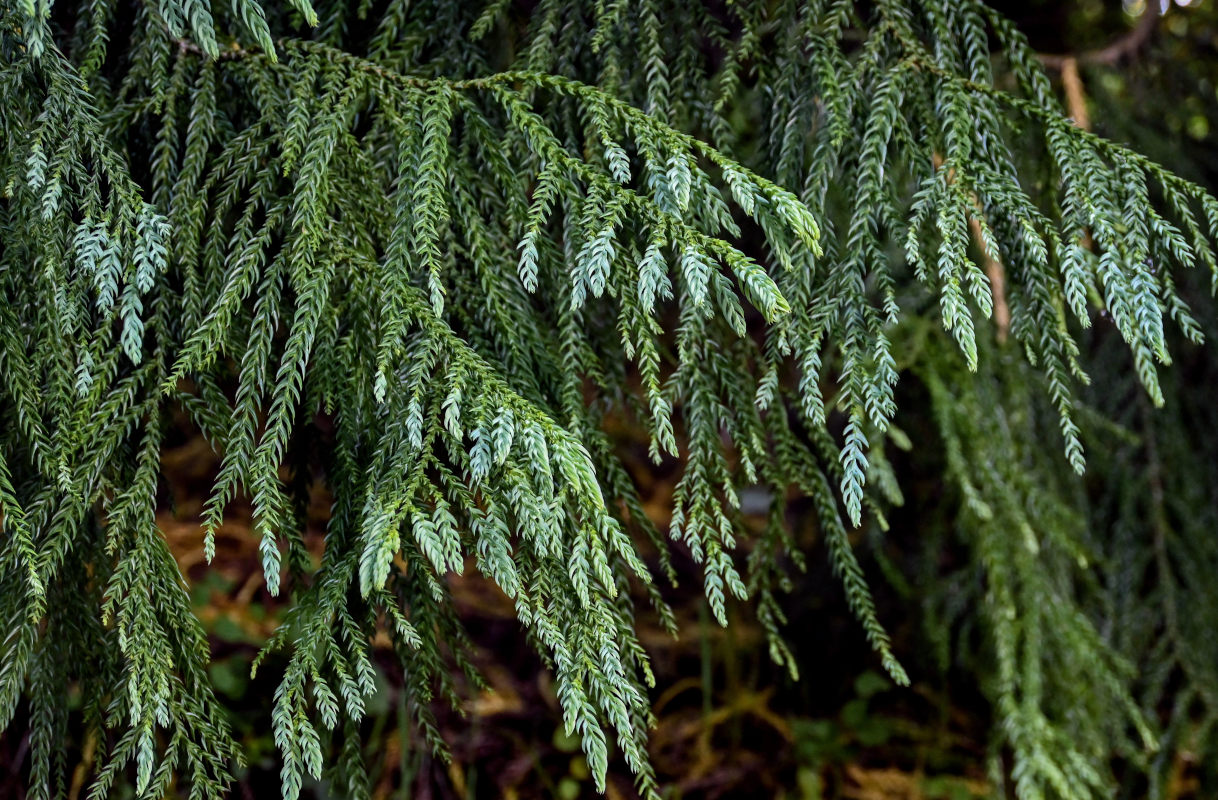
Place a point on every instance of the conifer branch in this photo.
(392, 253)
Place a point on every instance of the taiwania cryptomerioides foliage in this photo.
(427, 249)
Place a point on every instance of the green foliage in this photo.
(427, 250)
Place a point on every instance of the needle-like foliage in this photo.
(426, 250)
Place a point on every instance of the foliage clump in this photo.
(425, 250)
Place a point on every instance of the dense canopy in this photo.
(427, 254)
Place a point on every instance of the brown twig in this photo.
(1076, 95)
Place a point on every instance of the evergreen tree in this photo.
(428, 251)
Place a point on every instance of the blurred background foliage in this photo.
(731, 724)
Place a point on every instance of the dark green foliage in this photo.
(426, 250)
